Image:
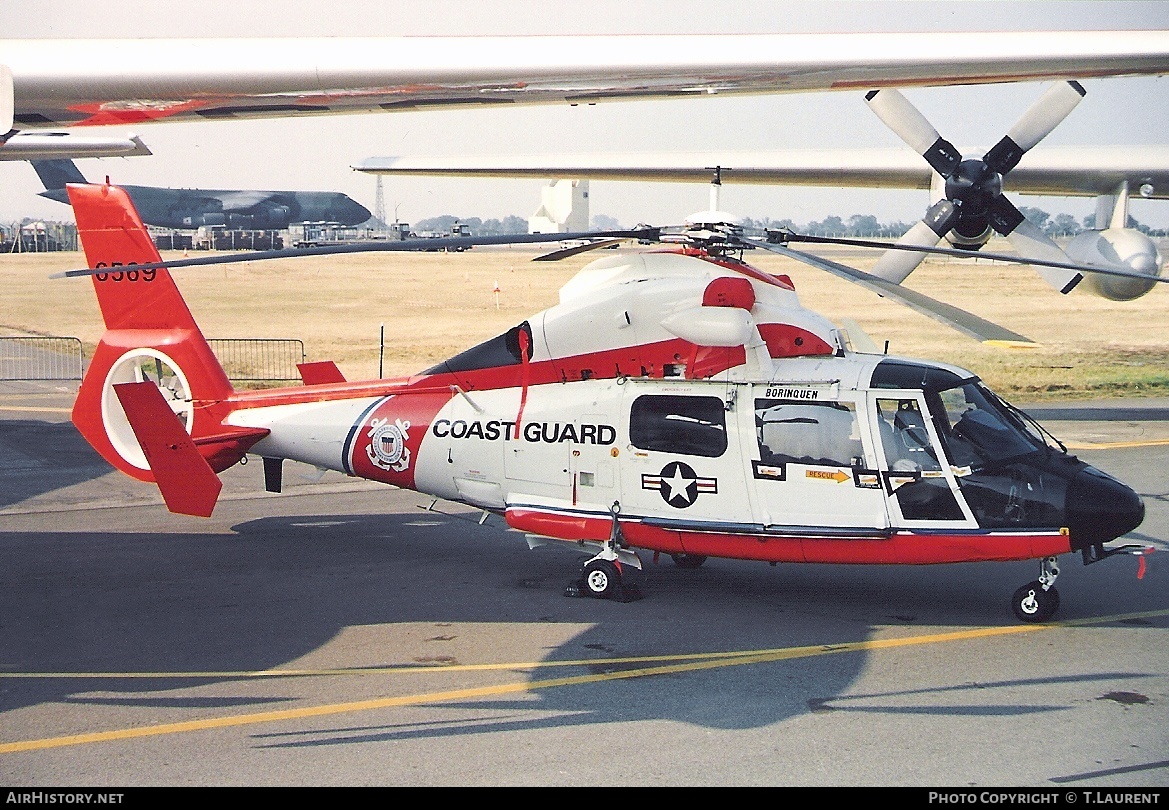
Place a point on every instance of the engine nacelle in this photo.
(979, 236)
(1126, 248)
(272, 217)
(204, 220)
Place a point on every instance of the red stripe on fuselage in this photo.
(387, 440)
(904, 547)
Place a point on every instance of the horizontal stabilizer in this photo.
(187, 483)
(62, 146)
(321, 373)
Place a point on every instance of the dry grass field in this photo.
(434, 305)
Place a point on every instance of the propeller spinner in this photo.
(974, 205)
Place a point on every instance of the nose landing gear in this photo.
(1038, 600)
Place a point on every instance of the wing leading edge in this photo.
(1054, 171)
(63, 82)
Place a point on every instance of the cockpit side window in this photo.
(977, 429)
(904, 436)
(820, 433)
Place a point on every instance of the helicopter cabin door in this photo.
(681, 465)
(915, 475)
(814, 467)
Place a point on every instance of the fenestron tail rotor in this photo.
(974, 187)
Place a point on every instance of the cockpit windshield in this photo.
(979, 428)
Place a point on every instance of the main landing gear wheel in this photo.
(602, 579)
(688, 560)
(1033, 604)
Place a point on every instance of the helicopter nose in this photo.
(1100, 508)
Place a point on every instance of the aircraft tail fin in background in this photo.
(56, 174)
(150, 336)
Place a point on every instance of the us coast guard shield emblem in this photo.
(387, 444)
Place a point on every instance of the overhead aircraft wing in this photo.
(67, 145)
(1054, 171)
(65, 82)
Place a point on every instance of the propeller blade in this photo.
(965, 322)
(1031, 242)
(1036, 124)
(896, 265)
(912, 127)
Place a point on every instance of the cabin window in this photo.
(820, 433)
(694, 426)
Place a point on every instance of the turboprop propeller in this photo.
(973, 205)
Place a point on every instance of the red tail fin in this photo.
(150, 334)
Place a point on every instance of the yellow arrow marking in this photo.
(839, 476)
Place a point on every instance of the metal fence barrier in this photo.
(41, 358)
(62, 358)
(259, 359)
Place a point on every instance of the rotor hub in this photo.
(973, 186)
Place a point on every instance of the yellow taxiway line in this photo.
(662, 665)
(1114, 445)
(34, 409)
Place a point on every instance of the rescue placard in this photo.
(839, 476)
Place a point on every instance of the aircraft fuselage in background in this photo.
(247, 210)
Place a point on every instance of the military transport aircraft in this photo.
(676, 401)
(198, 207)
(968, 203)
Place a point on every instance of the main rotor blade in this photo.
(782, 237)
(896, 265)
(557, 255)
(912, 127)
(404, 245)
(965, 322)
(1036, 124)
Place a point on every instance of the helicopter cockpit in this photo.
(1008, 469)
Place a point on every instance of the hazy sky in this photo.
(315, 154)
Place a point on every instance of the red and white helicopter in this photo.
(676, 401)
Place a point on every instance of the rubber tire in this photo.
(601, 579)
(1038, 609)
(688, 560)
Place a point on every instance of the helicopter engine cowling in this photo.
(1126, 248)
